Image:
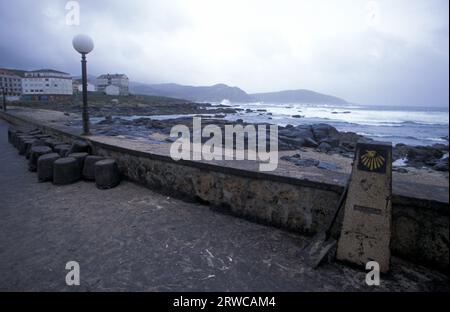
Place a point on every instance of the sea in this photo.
(408, 125)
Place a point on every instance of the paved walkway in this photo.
(131, 238)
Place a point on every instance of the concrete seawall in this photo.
(420, 213)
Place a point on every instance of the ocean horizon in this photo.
(412, 125)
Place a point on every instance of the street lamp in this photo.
(84, 44)
(4, 98)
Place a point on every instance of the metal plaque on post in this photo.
(366, 228)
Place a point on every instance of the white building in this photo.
(118, 80)
(78, 86)
(10, 83)
(47, 82)
(112, 90)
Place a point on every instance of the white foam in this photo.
(402, 162)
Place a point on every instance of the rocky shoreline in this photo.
(321, 137)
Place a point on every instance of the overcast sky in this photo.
(392, 52)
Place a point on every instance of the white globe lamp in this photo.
(84, 44)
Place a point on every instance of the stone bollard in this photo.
(42, 136)
(21, 145)
(34, 142)
(79, 146)
(89, 167)
(28, 143)
(34, 132)
(45, 166)
(35, 153)
(62, 149)
(65, 171)
(366, 228)
(51, 142)
(106, 174)
(15, 137)
(80, 157)
(11, 132)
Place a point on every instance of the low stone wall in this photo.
(420, 226)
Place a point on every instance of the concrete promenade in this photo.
(132, 239)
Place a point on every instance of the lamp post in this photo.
(4, 98)
(83, 44)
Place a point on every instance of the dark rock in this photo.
(65, 171)
(310, 143)
(89, 167)
(170, 139)
(399, 169)
(322, 131)
(294, 143)
(440, 146)
(291, 158)
(295, 159)
(297, 116)
(106, 174)
(348, 146)
(324, 147)
(328, 166)
(308, 162)
(422, 154)
(441, 165)
(35, 153)
(333, 142)
(45, 166)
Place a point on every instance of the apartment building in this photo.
(119, 80)
(10, 83)
(47, 82)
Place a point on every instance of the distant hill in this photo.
(219, 92)
(295, 96)
(215, 93)
(90, 78)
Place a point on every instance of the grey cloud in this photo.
(254, 47)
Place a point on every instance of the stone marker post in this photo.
(366, 228)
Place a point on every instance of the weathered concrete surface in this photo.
(131, 238)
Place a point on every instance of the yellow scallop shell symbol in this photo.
(371, 160)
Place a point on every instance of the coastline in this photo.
(297, 151)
